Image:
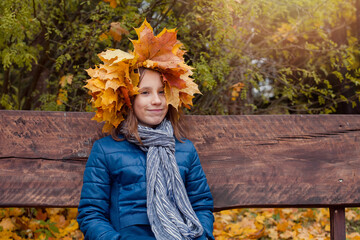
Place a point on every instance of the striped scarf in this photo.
(169, 210)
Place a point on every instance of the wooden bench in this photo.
(250, 161)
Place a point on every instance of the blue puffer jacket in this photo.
(114, 191)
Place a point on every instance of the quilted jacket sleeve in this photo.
(93, 208)
(200, 197)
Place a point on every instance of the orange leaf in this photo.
(116, 31)
(186, 99)
(113, 3)
(125, 92)
(157, 48)
(282, 226)
(40, 215)
(103, 37)
(174, 81)
(172, 95)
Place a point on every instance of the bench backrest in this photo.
(250, 161)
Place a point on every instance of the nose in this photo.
(156, 100)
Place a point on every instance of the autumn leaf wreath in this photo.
(115, 82)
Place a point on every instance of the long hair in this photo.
(129, 126)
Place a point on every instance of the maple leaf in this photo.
(95, 85)
(186, 99)
(191, 87)
(114, 83)
(162, 52)
(174, 81)
(66, 79)
(172, 95)
(116, 31)
(109, 97)
(125, 93)
(157, 48)
(113, 56)
(40, 215)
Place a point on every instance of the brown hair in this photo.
(130, 124)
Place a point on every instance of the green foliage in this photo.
(49, 228)
(292, 56)
(43, 40)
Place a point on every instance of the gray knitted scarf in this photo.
(169, 210)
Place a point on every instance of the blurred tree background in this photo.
(250, 57)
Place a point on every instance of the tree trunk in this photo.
(6, 82)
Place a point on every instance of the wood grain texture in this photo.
(337, 223)
(250, 161)
(296, 160)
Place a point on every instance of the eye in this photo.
(161, 92)
(144, 93)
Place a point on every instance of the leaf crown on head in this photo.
(115, 82)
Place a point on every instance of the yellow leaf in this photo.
(6, 235)
(14, 212)
(327, 227)
(287, 235)
(53, 211)
(259, 233)
(114, 84)
(114, 56)
(66, 79)
(172, 96)
(62, 97)
(260, 219)
(59, 220)
(282, 225)
(7, 224)
(108, 97)
(103, 37)
(353, 236)
(234, 229)
(72, 213)
(272, 233)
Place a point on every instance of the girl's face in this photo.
(150, 105)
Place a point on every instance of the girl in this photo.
(144, 181)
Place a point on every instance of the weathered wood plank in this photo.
(47, 135)
(250, 161)
(39, 182)
(281, 160)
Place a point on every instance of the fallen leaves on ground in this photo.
(281, 223)
(39, 223)
(245, 223)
